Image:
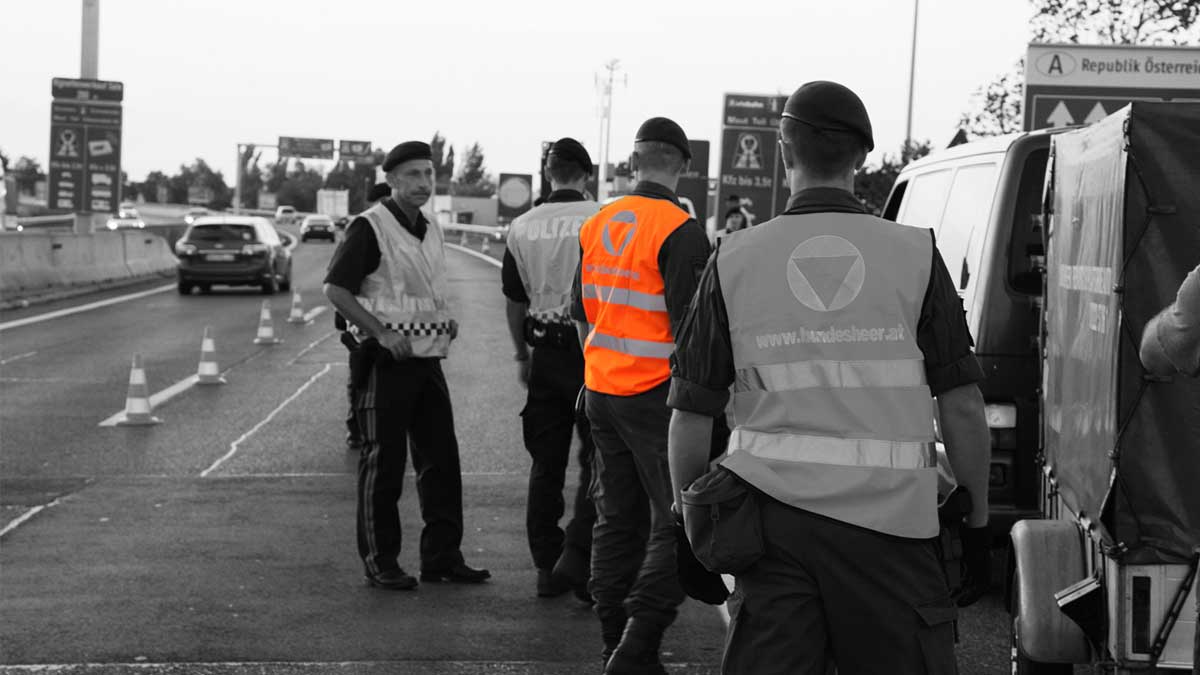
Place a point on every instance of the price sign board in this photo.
(85, 145)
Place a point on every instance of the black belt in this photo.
(540, 333)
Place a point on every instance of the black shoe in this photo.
(550, 586)
(459, 574)
(392, 580)
(637, 653)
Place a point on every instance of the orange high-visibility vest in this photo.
(629, 341)
(831, 411)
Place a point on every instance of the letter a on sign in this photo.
(1055, 66)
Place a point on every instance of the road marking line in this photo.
(17, 323)
(310, 347)
(317, 666)
(16, 522)
(158, 398)
(477, 254)
(314, 313)
(18, 357)
(233, 447)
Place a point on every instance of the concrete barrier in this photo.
(38, 262)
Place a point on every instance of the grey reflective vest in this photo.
(407, 292)
(830, 409)
(544, 242)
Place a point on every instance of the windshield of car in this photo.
(222, 232)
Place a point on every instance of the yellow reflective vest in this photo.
(830, 408)
(407, 292)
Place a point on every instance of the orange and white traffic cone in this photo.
(297, 313)
(208, 372)
(266, 329)
(137, 402)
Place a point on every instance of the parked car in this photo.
(285, 215)
(317, 226)
(234, 251)
(191, 215)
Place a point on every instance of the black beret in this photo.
(406, 151)
(665, 131)
(572, 151)
(829, 106)
(379, 191)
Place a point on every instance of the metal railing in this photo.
(496, 233)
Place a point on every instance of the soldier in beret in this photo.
(388, 279)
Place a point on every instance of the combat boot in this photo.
(637, 653)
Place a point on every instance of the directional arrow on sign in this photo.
(1061, 117)
(1098, 113)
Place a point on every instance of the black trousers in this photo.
(407, 404)
(873, 603)
(549, 422)
(633, 575)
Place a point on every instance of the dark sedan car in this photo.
(235, 251)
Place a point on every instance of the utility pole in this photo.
(89, 52)
(912, 76)
(605, 84)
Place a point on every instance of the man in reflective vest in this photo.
(833, 329)
(388, 278)
(541, 257)
(640, 261)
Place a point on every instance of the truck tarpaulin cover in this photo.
(1124, 234)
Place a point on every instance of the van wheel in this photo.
(1021, 664)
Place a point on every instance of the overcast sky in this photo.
(203, 75)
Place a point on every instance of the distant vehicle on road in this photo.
(317, 226)
(234, 251)
(127, 210)
(285, 215)
(191, 215)
(126, 220)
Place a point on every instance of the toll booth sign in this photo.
(85, 145)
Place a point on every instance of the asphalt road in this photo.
(221, 541)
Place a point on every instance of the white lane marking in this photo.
(18, 357)
(16, 522)
(312, 666)
(17, 323)
(233, 447)
(158, 398)
(314, 313)
(477, 254)
(310, 347)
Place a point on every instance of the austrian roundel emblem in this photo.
(826, 273)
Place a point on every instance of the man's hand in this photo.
(453, 329)
(398, 345)
(976, 565)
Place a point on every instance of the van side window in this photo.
(925, 199)
(1026, 255)
(965, 219)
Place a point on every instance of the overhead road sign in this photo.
(750, 163)
(307, 148)
(85, 145)
(355, 151)
(1081, 84)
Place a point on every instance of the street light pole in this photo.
(89, 43)
(912, 77)
(605, 127)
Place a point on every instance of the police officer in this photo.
(353, 435)
(833, 329)
(388, 279)
(542, 254)
(641, 259)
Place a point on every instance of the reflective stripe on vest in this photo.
(630, 340)
(544, 243)
(830, 409)
(407, 292)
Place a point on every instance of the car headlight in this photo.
(141, 225)
(111, 224)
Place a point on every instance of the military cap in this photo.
(829, 106)
(665, 131)
(379, 191)
(406, 151)
(572, 151)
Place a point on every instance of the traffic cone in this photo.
(297, 314)
(266, 330)
(208, 372)
(137, 401)
(485, 247)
